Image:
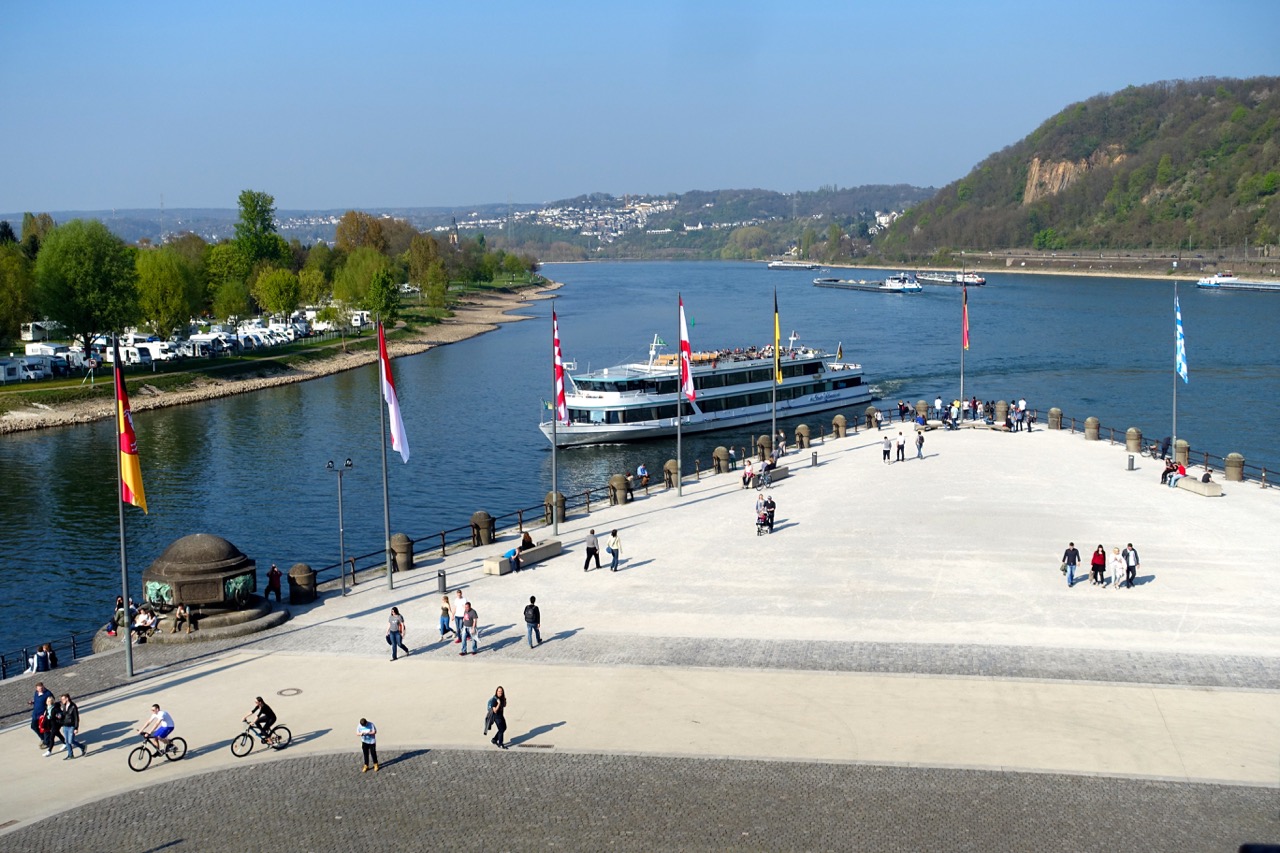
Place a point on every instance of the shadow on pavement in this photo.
(533, 733)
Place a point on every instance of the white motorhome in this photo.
(128, 355)
(160, 350)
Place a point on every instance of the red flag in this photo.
(965, 333)
(562, 412)
(131, 491)
(398, 442)
(686, 357)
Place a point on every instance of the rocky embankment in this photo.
(473, 316)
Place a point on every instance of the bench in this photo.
(775, 474)
(1191, 484)
(500, 565)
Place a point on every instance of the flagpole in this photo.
(773, 415)
(382, 431)
(964, 332)
(126, 631)
(679, 398)
(555, 422)
(1174, 436)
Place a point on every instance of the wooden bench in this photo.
(1191, 484)
(501, 565)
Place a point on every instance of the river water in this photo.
(251, 468)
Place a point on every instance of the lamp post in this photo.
(342, 548)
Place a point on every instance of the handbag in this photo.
(388, 639)
(1064, 568)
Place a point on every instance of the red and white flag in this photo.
(562, 412)
(686, 358)
(398, 442)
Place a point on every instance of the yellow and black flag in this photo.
(777, 341)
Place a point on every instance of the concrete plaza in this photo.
(905, 625)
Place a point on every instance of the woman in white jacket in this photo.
(1117, 568)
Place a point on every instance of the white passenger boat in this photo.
(734, 388)
(956, 278)
(791, 265)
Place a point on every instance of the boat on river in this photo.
(630, 402)
(953, 278)
(897, 283)
(1227, 281)
(791, 265)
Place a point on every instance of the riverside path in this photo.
(900, 665)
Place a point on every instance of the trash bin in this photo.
(442, 582)
(302, 584)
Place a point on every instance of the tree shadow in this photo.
(519, 740)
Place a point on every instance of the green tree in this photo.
(86, 280)
(6, 234)
(423, 252)
(256, 235)
(169, 290)
(312, 286)
(807, 238)
(232, 299)
(833, 242)
(384, 297)
(278, 291)
(34, 229)
(437, 286)
(351, 284)
(1164, 171)
(513, 266)
(17, 290)
(324, 260)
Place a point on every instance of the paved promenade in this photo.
(900, 665)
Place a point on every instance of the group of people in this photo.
(613, 548)
(1175, 471)
(56, 721)
(765, 509)
(1123, 566)
(887, 446)
(43, 660)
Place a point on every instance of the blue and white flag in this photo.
(1181, 358)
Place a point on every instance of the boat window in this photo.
(715, 380)
(761, 375)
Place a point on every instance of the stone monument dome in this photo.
(200, 569)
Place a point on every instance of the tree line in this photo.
(81, 275)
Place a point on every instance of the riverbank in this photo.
(472, 316)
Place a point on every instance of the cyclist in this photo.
(265, 718)
(160, 726)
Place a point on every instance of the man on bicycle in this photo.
(265, 718)
(160, 726)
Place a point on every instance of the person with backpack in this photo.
(533, 621)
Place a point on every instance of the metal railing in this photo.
(75, 645)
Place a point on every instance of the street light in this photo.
(342, 548)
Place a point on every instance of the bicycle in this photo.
(1151, 451)
(763, 480)
(278, 738)
(140, 757)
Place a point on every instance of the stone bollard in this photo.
(1181, 450)
(922, 409)
(553, 499)
(619, 489)
(1002, 412)
(401, 552)
(720, 460)
(870, 416)
(802, 437)
(1055, 418)
(839, 426)
(670, 471)
(1091, 430)
(302, 584)
(764, 447)
(1133, 440)
(481, 528)
(1234, 465)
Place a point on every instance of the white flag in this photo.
(398, 442)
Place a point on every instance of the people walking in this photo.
(71, 727)
(886, 448)
(459, 610)
(395, 632)
(1070, 559)
(470, 629)
(615, 549)
(495, 716)
(593, 550)
(1131, 564)
(1117, 568)
(902, 447)
(533, 621)
(446, 618)
(1097, 566)
(368, 734)
(51, 724)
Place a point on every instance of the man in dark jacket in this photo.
(37, 708)
(1071, 559)
(533, 621)
(71, 727)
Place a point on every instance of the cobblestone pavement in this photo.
(429, 799)
(106, 671)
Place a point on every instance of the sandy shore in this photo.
(474, 315)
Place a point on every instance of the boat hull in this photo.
(576, 435)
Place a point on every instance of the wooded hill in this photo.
(1192, 165)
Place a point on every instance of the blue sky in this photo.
(375, 104)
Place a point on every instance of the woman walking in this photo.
(1097, 566)
(368, 734)
(446, 618)
(614, 548)
(1117, 568)
(496, 715)
(395, 632)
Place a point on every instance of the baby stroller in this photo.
(762, 523)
